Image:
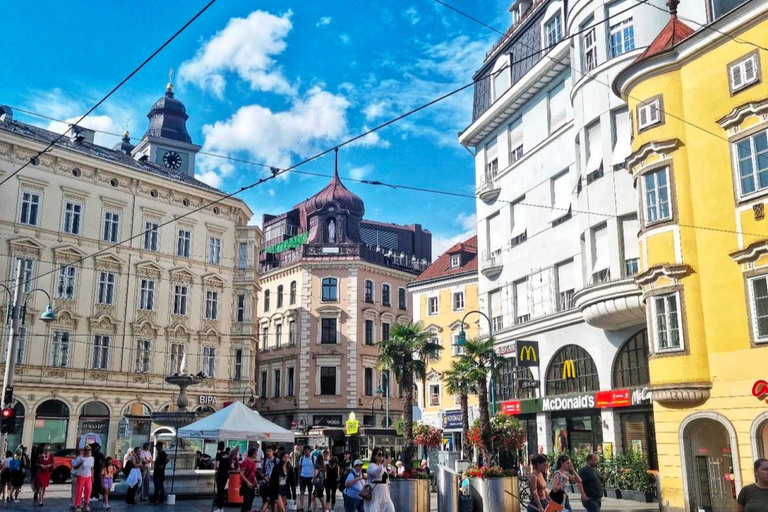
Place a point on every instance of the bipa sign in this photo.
(207, 400)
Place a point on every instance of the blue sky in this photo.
(273, 82)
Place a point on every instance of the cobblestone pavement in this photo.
(57, 499)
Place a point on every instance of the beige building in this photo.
(333, 285)
(185, 284)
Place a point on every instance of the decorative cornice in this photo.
(673, 272)
(737, 116)
(688, 393)
(751, 253)
(649, 148)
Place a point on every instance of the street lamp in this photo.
(17, 315)
(385, 391)
(263, 402)
(251, 399)
(373, 404)
(462, 342)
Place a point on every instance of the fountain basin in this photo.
(186, 483)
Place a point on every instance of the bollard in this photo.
(447, 490)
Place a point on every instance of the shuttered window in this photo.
(744, 72)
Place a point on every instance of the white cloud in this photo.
(412, 14)
(467, 221)
(324, 21)
(210, 178)
(443, 242)
(374, 110)
(271, 192)
(246, 46)
(345, 39)
(456, 59)
(310, 124)
(99, 123)
(372, 140)
(359, 173)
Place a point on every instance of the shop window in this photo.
(630, 367)
(507, 385)
(572, 370)
(51, 424)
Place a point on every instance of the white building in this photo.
(126, 317)
(557, 222)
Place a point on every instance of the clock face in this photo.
(172, 159)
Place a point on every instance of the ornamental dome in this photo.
(335, 192)
(168, 118)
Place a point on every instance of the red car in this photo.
(62, 465)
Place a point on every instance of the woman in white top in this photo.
(84, 479)
(377, 479)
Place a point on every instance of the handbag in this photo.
(367, 492)
(553, 506)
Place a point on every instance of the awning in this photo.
(291, 243)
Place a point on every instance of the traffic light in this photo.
(8, 397)
(8, 421)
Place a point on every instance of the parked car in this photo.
(62, 465)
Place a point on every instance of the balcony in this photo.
(377, 256)
(488, 189)
(611, 305)
(491, 264)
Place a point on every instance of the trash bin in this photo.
(233, 492)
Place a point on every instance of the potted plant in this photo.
(410, 491)
(428, 437)
(493, 488)
(609, 469)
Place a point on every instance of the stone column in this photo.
(544, 426)
(611, 429)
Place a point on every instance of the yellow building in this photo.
(442, 295)
(699, 104)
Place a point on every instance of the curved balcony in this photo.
(488, 189)
(611, 305)
(491, 264)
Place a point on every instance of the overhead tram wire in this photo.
(114, 89)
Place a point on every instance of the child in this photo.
(107, 476)
(134, 482)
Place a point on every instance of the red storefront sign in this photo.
(511, 407)
(613, 398)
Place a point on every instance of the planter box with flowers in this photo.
(410, 491)
(493, 489)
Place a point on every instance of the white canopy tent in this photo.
(236, 421)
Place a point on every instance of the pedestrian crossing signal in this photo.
(8, 421)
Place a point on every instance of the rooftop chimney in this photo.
(78, 134)
(6, 114)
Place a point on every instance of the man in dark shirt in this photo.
(222, 476)
(158, 477)
(593, 484)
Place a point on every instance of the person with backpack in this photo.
(331, 482)
(306, 473)
(318, 483)
(17, 474)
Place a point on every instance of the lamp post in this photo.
(373, 404)
(263, 402)
(17, 314)
(462, 342)
(251, 399)
(386, 391)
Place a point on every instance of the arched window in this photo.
(51, 424)
(53, 409)
(507, 385)
(572, 370)
(293, 293)
(330, 289)
(266, 300)
(95, 409)
(279, 296)
(330, 231)
(630, 367)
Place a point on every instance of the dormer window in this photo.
(455, 260)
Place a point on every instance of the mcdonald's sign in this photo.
(527, 353)
(569, 369)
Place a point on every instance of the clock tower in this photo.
(166, 141)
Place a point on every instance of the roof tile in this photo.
(441, 267)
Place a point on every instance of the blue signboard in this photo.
(452, 419)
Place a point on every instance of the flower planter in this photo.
(410, 495)
(644, 497)
(494, 494)
(627, 494)
(613, 493)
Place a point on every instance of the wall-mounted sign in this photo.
(641, 396)
(527, 353)
(452, 419)
(506, 348)
(613, 398)
(528, 384)
(207, 400)
(325, 420)
(586, 401)
(760, 390)
(569, 369)
(511, 407)
(352, 425)
(400, 426)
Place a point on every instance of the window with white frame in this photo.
(458, 301)
(434, 395)
(29, 212)
(180, 297)
(241, 308)
(558, 106)
(143, 356)
(600, 254)
(501, 76)
(519, 222)
(27, 273)
(458, 350)
(594, 169)
(280, 297)
(292, 293)
(566, 285)
(649, 114)
(277, 381)
(292, 332)
(263, 387)
(751, 153)
(289, 379)
(328, 331)
(561, 199)
(368, 335)
(330, 289)
(328, 380)
(368, 387)
(211, 305)
(744, 72)
(100, 359)
(630, 251)
(491, 159)
(497, 310)
(106, 288)
(150, 235)
(238, 367)
(516, 140)
(455, 260)
(111, 232)
(265, 339)
(589, 43)
(758, 294)
(184, 243)
(554, 29)
(622, 37)
(65, 286)
(278, 335)
(176, 355)
(656, 196)
(522, 308)
(243, 256)
(666, 319)
(209, 362)
(432, 306)
(21, 343)
(622, 138)
(147, 295)
(60, 349)
(73, 216)
(214, 250)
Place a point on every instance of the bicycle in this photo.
(524, 493)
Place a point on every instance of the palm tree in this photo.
(457, 382)
(407, 353)
(483, 362)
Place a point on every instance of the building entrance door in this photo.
(709, 467)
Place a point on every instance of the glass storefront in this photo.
(93, 424)
(137, 424)
(639, 434)
(577, 431)
(51, 424)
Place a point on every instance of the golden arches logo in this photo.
(569, 369)
(528, 353)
